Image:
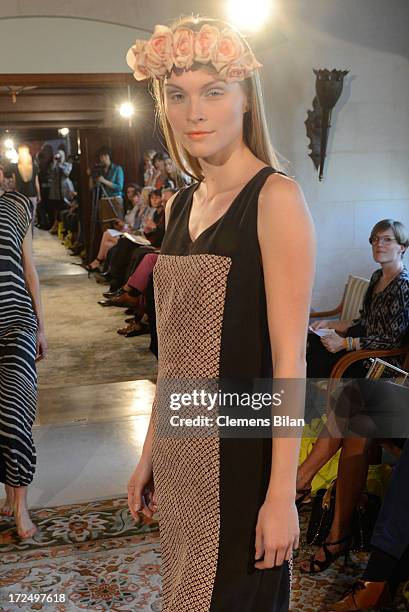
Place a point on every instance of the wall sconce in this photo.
(328, 87)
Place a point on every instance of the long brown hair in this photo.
(255, 132)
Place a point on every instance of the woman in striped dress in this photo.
(22, 343)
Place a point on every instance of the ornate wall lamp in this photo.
(328, 87)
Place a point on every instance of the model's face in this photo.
(385, 248)
(196, 101)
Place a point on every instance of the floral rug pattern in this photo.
(93, 556)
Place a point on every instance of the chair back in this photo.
(353, 297)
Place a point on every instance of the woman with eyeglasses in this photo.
(384, 317)
(383, 324)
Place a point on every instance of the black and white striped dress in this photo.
(18, 327)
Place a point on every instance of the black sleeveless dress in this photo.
(212, 323)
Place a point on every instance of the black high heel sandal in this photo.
(302, 499)
(329, 556)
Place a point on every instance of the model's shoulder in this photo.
(279, 183)
(280, 191)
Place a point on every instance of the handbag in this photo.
(322, 515)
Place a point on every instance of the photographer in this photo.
(60, 171)
(107, 174)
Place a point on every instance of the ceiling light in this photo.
(248, 15)
(126, 110)
(64, 131)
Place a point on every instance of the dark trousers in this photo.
(120, 258)
(150, 311)
(391, 533)
(320, 361)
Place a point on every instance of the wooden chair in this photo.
(351, 302)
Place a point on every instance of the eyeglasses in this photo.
(387, 240)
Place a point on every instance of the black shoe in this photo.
(103, 278)
(110, 294)
(129, 311)
(145, 329)
(130, 320)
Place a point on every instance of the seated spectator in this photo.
(167, 193)
(375, 328)
(127, 254)
(361, 410)
(148, 168)
(132, 295)
(132, 221)
(178, 178)
(383, 324)
(159, 177)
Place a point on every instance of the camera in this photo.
(96, 171)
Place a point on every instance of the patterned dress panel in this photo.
(189, 297)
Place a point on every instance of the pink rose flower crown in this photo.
(156, 57)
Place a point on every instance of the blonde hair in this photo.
(255, 131)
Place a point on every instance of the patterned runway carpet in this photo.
(94, 557)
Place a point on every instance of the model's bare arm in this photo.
(33, 287)
(287, 243)
(141, 478)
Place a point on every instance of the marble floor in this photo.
(90, 427)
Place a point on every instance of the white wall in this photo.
(367, 168)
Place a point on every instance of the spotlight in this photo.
(64, 131)
(126, 110)
(12, 155)
(248, 15)
(8, 143)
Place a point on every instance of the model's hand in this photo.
(277, 533)
(333, 343)
(141, 492)
(322, 324)
(42, 346)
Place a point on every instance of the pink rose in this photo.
(205, 43)
(135, 59)
(183, 47)
(240, 69)
(158, 56)
(229, 49)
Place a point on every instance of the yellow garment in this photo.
(329, 471)
(378, 475)
(60, 232)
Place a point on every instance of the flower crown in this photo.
(181, 48)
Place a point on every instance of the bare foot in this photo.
(7, 508)
(25, 526)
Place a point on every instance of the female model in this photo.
(232, 292)
(25, 174)
(22, 341)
